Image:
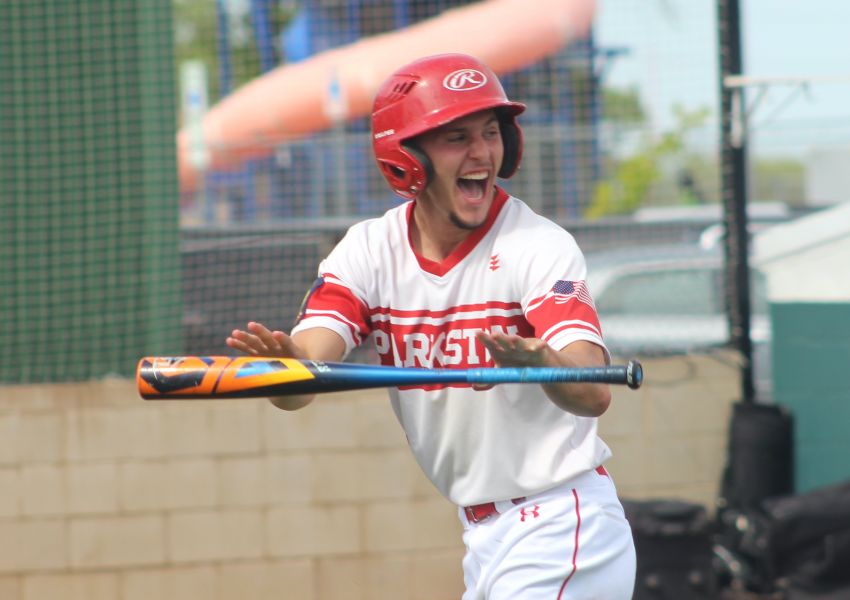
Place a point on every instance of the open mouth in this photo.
(473, 185)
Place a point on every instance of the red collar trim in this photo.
(466, 246)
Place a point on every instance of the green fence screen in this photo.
(89, 270)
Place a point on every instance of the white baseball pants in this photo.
(571, 542)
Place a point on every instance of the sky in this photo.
(672, 58)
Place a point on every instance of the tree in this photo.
(196, 37)
(632, 178)
(622, 106)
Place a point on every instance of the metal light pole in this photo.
(734, 190)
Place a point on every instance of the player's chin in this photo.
(471, 215)
(466, 222)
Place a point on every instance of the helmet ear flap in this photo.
(512, 143)
(424, 162)
(407, 170)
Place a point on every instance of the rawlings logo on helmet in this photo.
(464, 80)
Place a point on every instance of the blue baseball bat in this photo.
(199, 377)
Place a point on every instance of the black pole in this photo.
(734, 190)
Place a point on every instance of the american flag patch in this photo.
(563, 290)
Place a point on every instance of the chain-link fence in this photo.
(621, 148)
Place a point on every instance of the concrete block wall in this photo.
(106, 496)
(669, 437)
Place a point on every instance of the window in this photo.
(674, 292)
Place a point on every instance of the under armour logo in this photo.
(494, 262)
(464, 80)
(532, 512)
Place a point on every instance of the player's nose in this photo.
(479, 147)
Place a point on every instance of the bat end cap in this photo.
(634, 374)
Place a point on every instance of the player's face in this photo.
(466, 155)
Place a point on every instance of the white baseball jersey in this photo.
(519, 273)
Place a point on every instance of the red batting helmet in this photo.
(427, 94)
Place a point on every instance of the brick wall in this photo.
(106, 496)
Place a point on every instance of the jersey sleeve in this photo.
(556, 301)
(337, 299)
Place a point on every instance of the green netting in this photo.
(89, 260)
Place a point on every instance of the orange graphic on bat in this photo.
(205, 375)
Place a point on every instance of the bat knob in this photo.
(634, 374)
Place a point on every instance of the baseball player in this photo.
(464, 275)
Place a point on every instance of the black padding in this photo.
(422, 159)
(510, 142)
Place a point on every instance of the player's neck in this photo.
(433, 237)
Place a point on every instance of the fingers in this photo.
(267, 340)
(258, 341)
(234, 342)
(513, 350)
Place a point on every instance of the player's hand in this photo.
(259, 340)
(512, 351)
